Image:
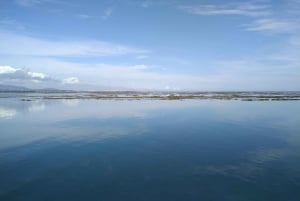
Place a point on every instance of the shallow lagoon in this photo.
(149, 150)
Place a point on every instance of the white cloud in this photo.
(7, 69)
(273, 25)
(11, 73)
(244, 9)
(71, 80)
(15, 44)
(18, 76)
(37, 75)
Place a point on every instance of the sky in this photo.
(202, 45)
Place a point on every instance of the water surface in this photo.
(149, 150)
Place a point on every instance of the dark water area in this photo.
(149, 150)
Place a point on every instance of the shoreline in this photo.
(128, 95)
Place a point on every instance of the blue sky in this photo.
(153, 45)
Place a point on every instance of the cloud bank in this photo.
(11, 75)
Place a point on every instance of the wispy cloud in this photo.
(15, 44)
(146, 4)
(295, 41)
(29, 3)
(84, 16)
(244, 9)
(7, 21)
(265, 20)
(141, 57)
(71, 80)
(32, 3)
(11, 23)
(273, 25)
(107, 13)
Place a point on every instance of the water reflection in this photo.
(9, 108)
(7, 113)
(71, 102)
(254, 168)
(36, 106)
(149, 150)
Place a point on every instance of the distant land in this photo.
(27, 94)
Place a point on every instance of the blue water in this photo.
(149, 150)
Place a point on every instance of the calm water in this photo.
(149, 150)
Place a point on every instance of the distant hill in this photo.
(7, 88)
(12, 88)
(67, 88)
